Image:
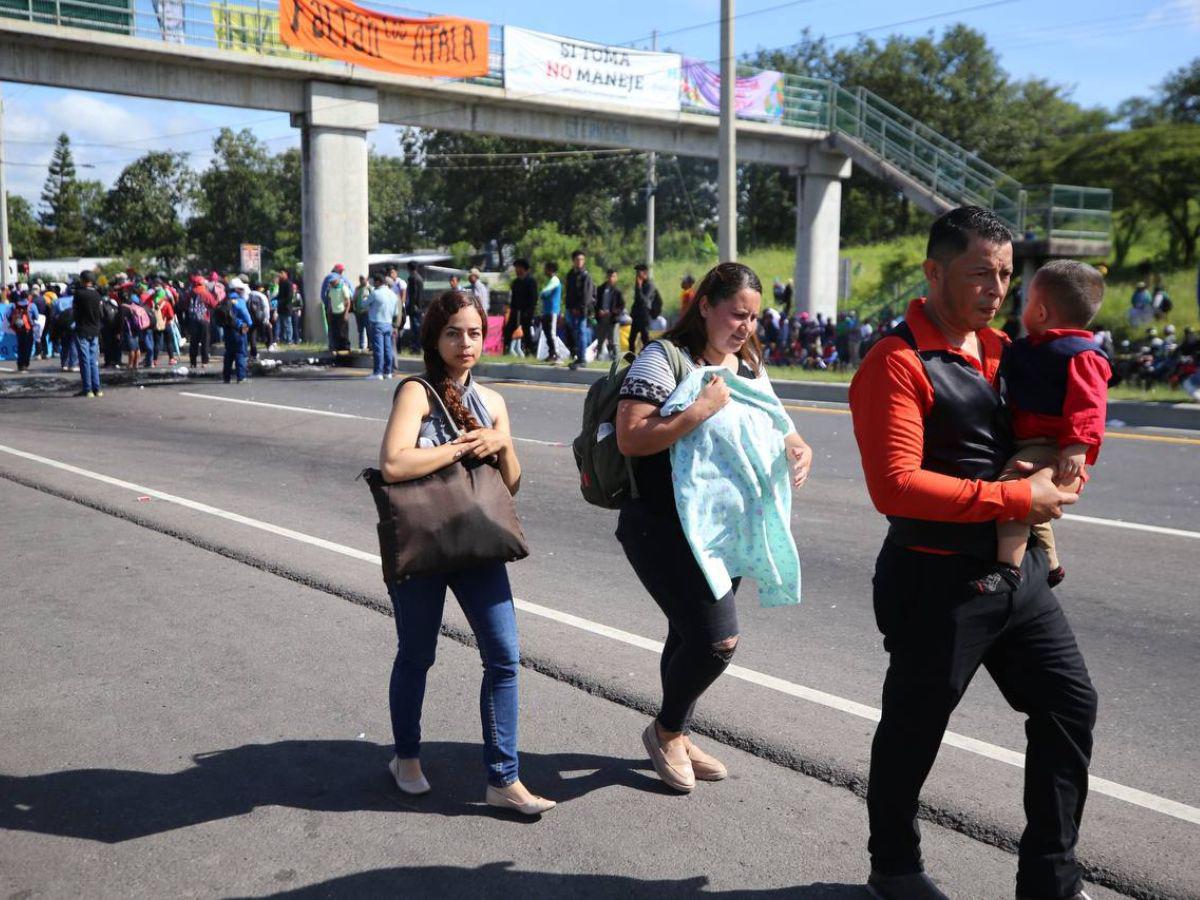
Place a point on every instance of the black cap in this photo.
(86, 277)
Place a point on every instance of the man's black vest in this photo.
(1036, 374)
(968, 434)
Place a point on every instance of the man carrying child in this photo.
(934, 434)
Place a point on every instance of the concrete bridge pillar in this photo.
(818, 224)
(333, 193)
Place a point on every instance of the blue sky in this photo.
(1105, 50)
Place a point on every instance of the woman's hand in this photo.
(483, 443)
(800, 457)
(713, 397)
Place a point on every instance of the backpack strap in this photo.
(434, 397)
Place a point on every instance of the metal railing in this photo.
(864, 119)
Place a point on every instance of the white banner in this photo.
(544, 65)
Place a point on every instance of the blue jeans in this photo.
(577, 326)
(486, 599)
(381, 349)
(150, 346)
(89, 362)
(70, 351)
(235, 353)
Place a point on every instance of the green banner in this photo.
(114, 16)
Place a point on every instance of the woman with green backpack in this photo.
(717, 330)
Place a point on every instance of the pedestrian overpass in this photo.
(121, 47)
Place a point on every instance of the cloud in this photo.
(1176, 12)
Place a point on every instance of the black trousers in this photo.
(938, 633)
(198, 341)
(522, 318)
(639, 329)
(605, 336)
(697, 622)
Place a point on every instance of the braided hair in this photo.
(436, 317)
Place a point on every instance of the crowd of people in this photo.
(144, 321)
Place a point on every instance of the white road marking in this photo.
(7, 369)
(1136, 797)
(1088, 520)
(336, 415)
(1133, 526)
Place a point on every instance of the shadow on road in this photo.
(500, 880)
(115, 805)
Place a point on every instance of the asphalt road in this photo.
(196, 727)
(1130, 594)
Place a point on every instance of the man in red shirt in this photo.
(934, 433)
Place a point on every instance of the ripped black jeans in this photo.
(702, 630)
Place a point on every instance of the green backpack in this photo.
(605, 474)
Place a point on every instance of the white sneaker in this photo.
(374, 378)
(413, 788)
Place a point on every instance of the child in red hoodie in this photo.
(1057, 381)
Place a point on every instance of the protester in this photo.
(418, 441)
(718, 330)
(359, 303)
(283, 298)
(21, 320)
(336, 298)
(609, 306)
(579, 299)
(644, 293)
(414, 306)
(523, 294)
(260, 317)
(551, 295)
(400, 288)
(478, 288)
(201, 304)
(237, 323)
(932, 430)
(381, 316)
(88, 321)
(687, 292)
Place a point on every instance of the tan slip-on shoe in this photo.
(705, 766)
(534, 807)
(678, 776)
(413, 788)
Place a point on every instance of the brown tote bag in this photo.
(457, 517)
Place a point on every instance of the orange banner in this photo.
(337, 29)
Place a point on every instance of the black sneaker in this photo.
(1000, 580)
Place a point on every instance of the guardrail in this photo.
(873, 124)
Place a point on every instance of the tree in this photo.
(392, 228)
(62, 212)
(1176, 99)
(240, 199)
(1154, 169)
(24, 235)
(145, 207)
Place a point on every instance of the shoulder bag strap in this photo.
(434, 397)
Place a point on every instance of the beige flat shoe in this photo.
(414, 787)
(534, 807)
(705, 767)
(678, 776)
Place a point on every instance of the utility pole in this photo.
(3, 204)
(727, 143)
(651, 186)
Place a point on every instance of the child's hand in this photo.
(1071, 461)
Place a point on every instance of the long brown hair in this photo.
(724, 281)
(439, 313)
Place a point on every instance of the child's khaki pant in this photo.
(1042, 453)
